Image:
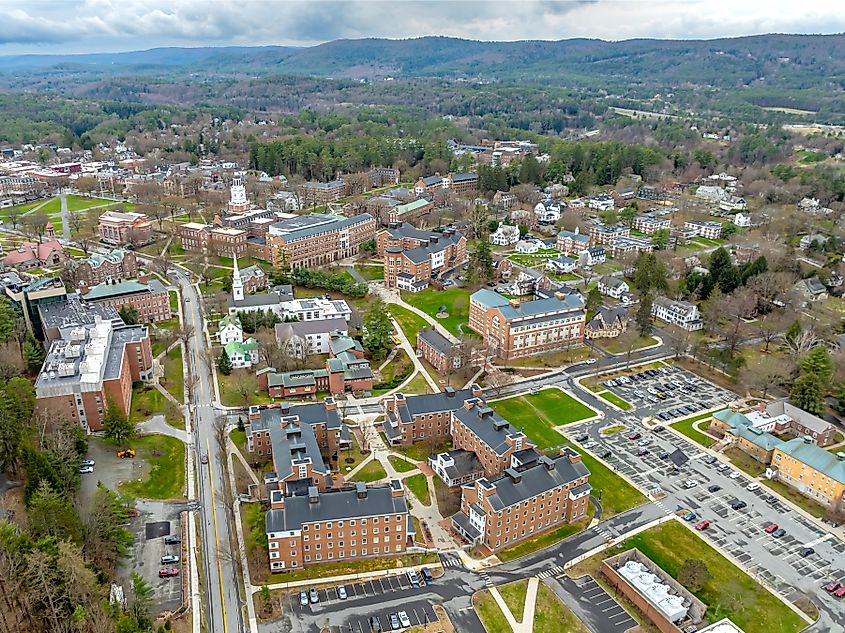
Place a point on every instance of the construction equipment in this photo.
(126, 453)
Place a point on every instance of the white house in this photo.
(602, 202)
(681, 313)
(229, 329)
(528, 246)
(806, 241)
(505, 235)
(711, 193)
(547, 212)
(742, 221)
(316, 309)
(592, 256)
(562, 264)
(309, 337)
(242, 354)
(614, 287)
(709, 229)
(733, 204)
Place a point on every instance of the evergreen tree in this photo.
(593, 302)
(224, 364)
(650, 275)
(116, 424)
(807, 393)
(793, 332)
(644, 325)
(129, 315)
(33, 353)
(481, 268)
(378, 330)
(818, 361)
(8, 316)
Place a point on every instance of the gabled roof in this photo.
(490, 427)
(823, 461)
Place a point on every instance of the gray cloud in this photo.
(39, 26)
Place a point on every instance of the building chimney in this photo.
(571, 455)
(143, 278)
(469, 403)
(514, 303)
(450, 392)
(83, 288)
(514, 475)
(313, 494)
(547, 462)
(360, 490)
(396, 489)
(277, 500)
(330, 404)
(475, 389)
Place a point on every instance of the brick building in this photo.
(412, 257)
(408, 419)
(439, 351)
(124, 227)
(320, 193)
(365, 522)
(409, 211)
(459, 183)
(521, 504)
(97, 268)
(517, 330)
(148, 297)
(91, 366)
(310, 241)
(217, 240)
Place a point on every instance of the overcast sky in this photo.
(67, 26)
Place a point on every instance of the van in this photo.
(426, 574)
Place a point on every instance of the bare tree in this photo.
(740, 305)
(766, 373)
(771, 327)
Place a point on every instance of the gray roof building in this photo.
(491, 428)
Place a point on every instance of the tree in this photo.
(481, 268)
(770, 328)
(739, 306)
(116, 424)
(650, 274)
(129, 314)
(51, 514)
(593, 302)
(840, 398)
(644, 325)
(378, 330)
(807, 393)
(33, 353)
(142, 600)
(693, 574)
(765, 374)
(224, 363)
(660, 239)
(818, 362)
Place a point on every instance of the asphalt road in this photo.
(222, 600)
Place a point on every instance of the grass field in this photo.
(536, 414)
(514, 596)
(613, 346)
(455, 300)
(550, 614)
(614, 399)
(417, 384)
(174, 380)
(373, 471)
(614, 493)
(419, 486)
(400, 464)
(419, 452)
(165, 457)
(370, 273)
(545, 540)
(409, 322)
(147, 401)
(816, 509)
(730, 592)
(685, 427)
(240, 388)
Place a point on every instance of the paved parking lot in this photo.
(592, 604)
(389, 589)
(666, 390)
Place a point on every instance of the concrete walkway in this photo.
(526, 624)
(157, 425)
(392, 296)
(405, 344)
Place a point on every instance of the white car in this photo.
(590, 444)
(404, 620)
(589, 361)
(85, 470)
(652, 390)
(734, 475)
(341, 592)
(753, 486)
(690, 483)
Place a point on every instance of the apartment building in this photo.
(650, 224)
(97, 268)
(314, 240)
(778, 417)
(365, 522)
(521, 504)
(124, 227)
(459, 183)
(601, 233)
(408, 419)
(517, 329)
(329, 432)
(681, 313)
(812, 471)
(409, 211)
(217, 240)
(709, 229)
(476, 427)
(320, 193)
(569, 242)
(602, 202)
(89, 367)
(439, 351)
(413, 268)
(626, 245)
(149, 298)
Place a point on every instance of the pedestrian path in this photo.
(526, 624)
(557, 570)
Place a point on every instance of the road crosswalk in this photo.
(557, 570)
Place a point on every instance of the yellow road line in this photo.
(216, 537)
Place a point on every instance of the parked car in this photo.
(313, 596)
(771, 528)
(204, 458)
(172, 540)
(404, 620)
(87, 462)
(770, 498)
(780, 532)
(702, 525)
(605, 454)
(738, 504)
(833, 585)
(642, 451)
(840, 592)
(690, 516)
(394, 622)
(582, 438)
(303, 599)
(658, 429)
(710, 459)
(690, 483)
(753, 486)
(85, 470)
(714, 488)
(734, 474)
(635, 435)
(413, 578)
(722, 466)
(341, 592)
(169, 559)
(168, 573)
(426, 575)
(804, 552)
(375, 625)
(664, 455)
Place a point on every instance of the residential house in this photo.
(592, 256)
(242, 354)
(611, 286)
(607, 323)
(528, 246)
(504, 199)
(742, 221)
(505, 235)
(711, 193)
(561, 265)
(807, 241)
(812, 289)
(229, 330)
(520, 329)
(602, 202)
(304, 338)
(681, 313)
(547, 212)
(97, 268)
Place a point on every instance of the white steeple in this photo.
(238, 202)
(237, 284)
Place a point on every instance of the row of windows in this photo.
(340, 523)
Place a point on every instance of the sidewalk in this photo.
(331, 580)
(526, 624)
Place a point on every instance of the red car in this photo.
(168, 573)
(702, 525)
(831, 586)
(771, 528)
(635, 436)
(840, 592)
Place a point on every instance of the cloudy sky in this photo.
(79, 26)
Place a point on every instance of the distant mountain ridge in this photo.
(793, 61)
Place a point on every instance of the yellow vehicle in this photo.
(128, 452)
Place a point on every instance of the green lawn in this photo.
(745, 462)
(614, 493)
(409, 322)
(514, 596)
(455, 300)
(420, 452)
(173, 379)
(373, 471)
(349, 459)
(814, 508)
(536, 414)
(419, 486)
(489, 613)
(174, 301)
(80, 203)
(165, 457)
(613, 346)
(240, 389)
(147, 401)
(614, 399)
(401, 465)
(552, 616)
(417, 384)
(329, 570)
(545, 539)
(239, 440)
(685, 427)
(370, 273)
(730, 592)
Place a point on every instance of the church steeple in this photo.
(237, 284)
(238, 202)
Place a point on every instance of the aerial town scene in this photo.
(437, 317)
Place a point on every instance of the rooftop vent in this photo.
(515, 476)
